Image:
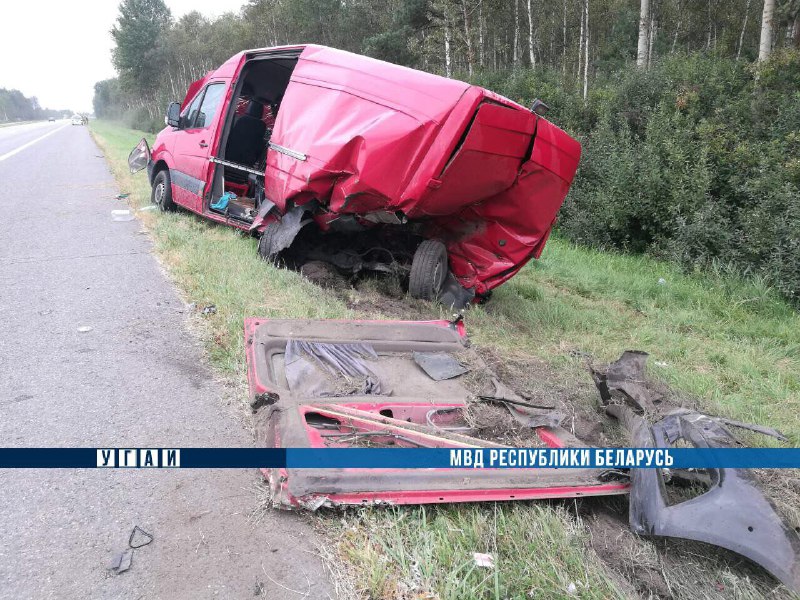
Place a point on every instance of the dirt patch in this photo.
(632, 562)
(325, 275)
(538, 383)
(670, 568)
(382, 296)
(494, 422)
(371, 295)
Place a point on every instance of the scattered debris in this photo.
(85, 328)
(148, 207)
(122, 561)
(755, 428)
(122, 215)
(439, 365)
(209, 309)
(731, 512)
(572, 589)
(139, 537)
(506, 395)
(662, 281)
(415, 384)
(122, 196)
(624, 381)
(483, 560)
(263, 399)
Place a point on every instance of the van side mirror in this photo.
(539, 108)
(174, 114)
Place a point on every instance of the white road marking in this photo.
(29, 144)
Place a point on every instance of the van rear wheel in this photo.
(161, 195)
(428, 270)
(266, 243)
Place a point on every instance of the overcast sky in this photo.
(56, 49)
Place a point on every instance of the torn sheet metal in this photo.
(625, 380)
(522, 409)
(121, 561)
(439, 365)
(345, 369)
(420, 412)
(732, 514)
(286, 229)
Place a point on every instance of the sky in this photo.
(56, 50)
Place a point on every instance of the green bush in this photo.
(696, 160)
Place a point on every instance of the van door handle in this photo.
(203, 144)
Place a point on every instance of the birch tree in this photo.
(765, 44)
(530, 36)
(581, 38)
(586, 51)
(480, 34)
(516, 33)
(651, 41)
(744, 28)
(644, 38)
(468, 37)
(447, 57)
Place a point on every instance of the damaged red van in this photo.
(332, 156)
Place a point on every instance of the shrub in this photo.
(695, 160)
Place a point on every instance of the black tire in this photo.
(428, 270)
(161, 195)
(265, 243)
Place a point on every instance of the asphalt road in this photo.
(137, 378)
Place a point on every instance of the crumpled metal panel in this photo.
(486, 174)
(732, 514)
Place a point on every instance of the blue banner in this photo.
(400, 458)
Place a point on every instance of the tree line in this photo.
(15, 106)
(158, 56)
(688, 111)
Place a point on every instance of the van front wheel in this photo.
(161, 194)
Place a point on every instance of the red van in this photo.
(328, 155)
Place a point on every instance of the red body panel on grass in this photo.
(406, 413)
(486, 174)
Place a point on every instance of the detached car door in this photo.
(193, 144)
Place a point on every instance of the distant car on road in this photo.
(330, 156)
(77, 120)
(52, 119)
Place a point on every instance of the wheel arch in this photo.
(158, 166)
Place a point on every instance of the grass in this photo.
(734, 344)
(731, 343)
(539, 552)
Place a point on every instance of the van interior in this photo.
(245, 140)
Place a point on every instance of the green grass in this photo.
(538, 549)
(733, 344)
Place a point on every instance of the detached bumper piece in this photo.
(731, 513)
(339, 384)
